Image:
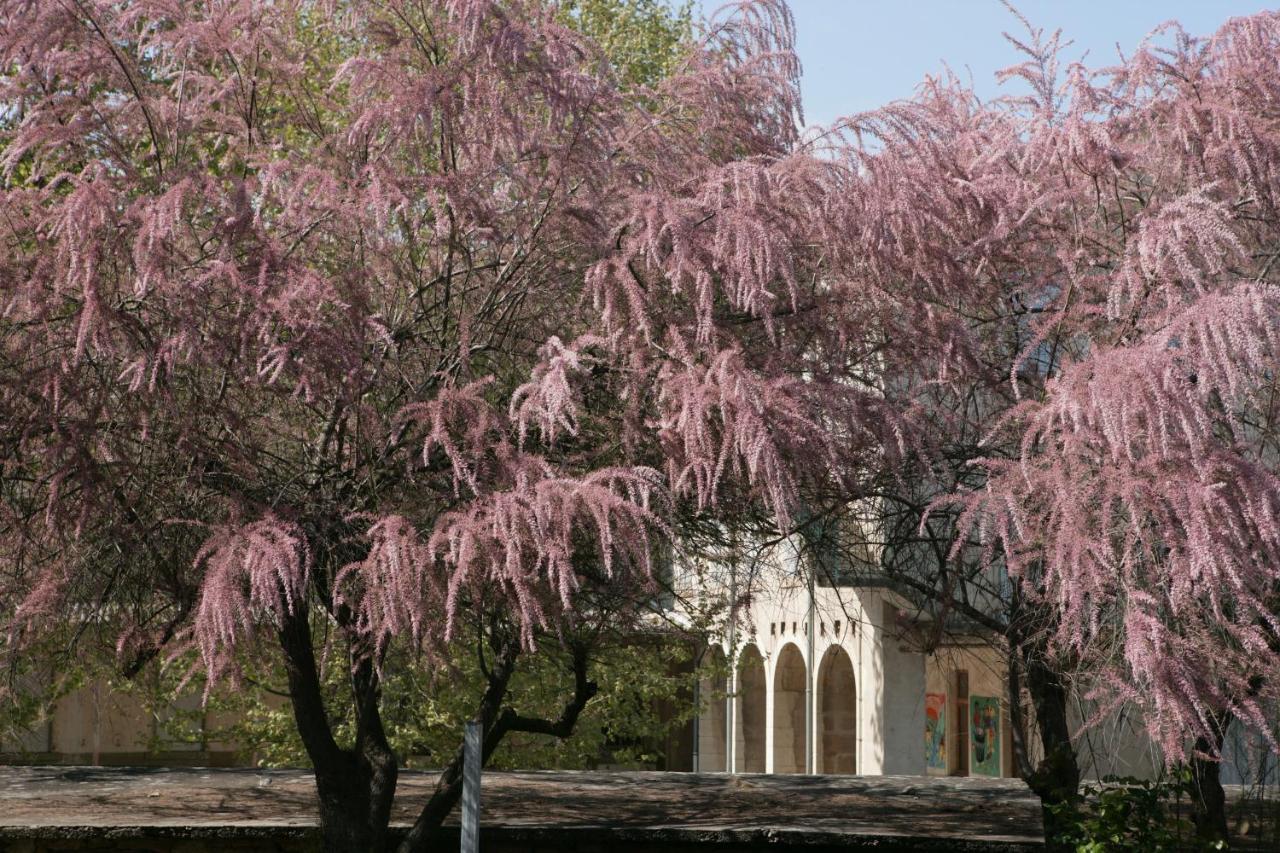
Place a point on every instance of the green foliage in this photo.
(27, 698)
(1128, 815)
(424, 707)
(32, 684)
(643, 39)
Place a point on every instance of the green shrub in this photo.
(1128, 815)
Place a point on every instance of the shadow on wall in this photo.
(838, 714)
(712, 727)
(1248, 758)
(788, 711)
(751, 711)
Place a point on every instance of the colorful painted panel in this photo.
(984, 736)
(935, 731)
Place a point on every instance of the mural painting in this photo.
(984, 736)
(935, 731)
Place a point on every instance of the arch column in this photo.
(770, 736)
(813, 743)
(891, 690)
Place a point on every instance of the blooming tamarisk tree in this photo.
(419, 322)
(1091, 271)
(1148, 467)
(348, 326)
(1144, 492)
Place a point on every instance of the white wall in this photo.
(889, 680)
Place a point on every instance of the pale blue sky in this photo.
(859, 54)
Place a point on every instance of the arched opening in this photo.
(837, 713)
(788, 712)
(750, 704)
(711, 725)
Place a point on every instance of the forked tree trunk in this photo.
(495, 723)
(425, 832)
(355, 786)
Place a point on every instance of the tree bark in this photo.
(355, 787)
(495, 724)
(1056, 780)
(1017, 718)
(1208, 800)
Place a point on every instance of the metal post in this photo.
(730, 719)
(697, 718)
(473, 747)
(811, 674)
(730, 701)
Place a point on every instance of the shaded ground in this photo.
(816, 811)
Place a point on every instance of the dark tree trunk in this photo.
(496, 722)
(1056, 780)
(424, 833)
(1017, 717)
(355, 787)
(355, 807)
(1208, 800)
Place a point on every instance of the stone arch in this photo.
(751, 711)
(788, 711)
(837, 713)
(712, 728)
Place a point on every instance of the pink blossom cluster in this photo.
(394, 313)
(414, 309)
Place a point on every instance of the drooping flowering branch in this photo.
(1102, 251)
(421, 279)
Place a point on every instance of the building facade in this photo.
(821, 677)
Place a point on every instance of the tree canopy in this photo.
(436, 320)
(416, 314)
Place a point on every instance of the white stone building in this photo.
(826, 677)
(829, 678)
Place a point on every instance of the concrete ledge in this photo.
(85, 808)
(500, 840)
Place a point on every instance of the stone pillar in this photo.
(812, 749)
(769, 715)
(870, 681)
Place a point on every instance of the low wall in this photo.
(513, 841)
(172, 810)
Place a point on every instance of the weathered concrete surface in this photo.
(547, 810)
